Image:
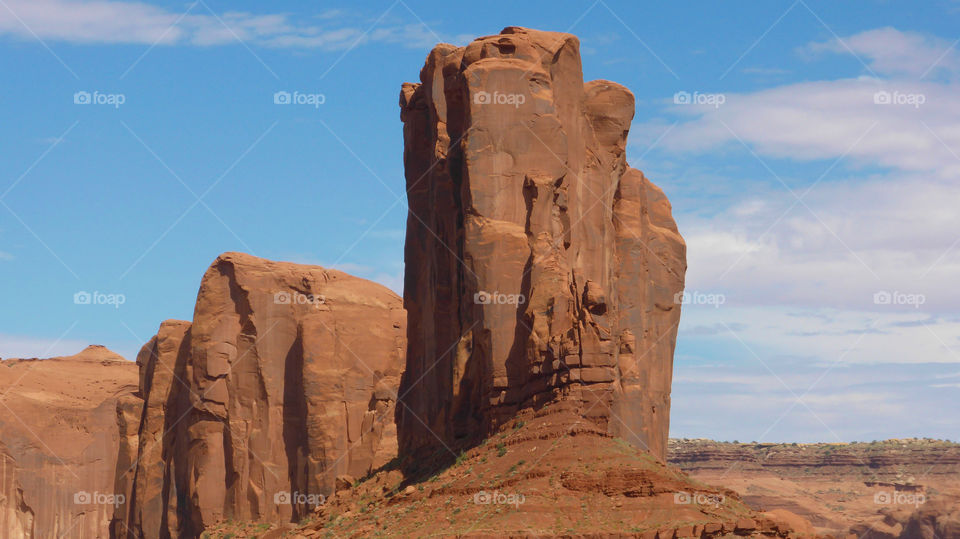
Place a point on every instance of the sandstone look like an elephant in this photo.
(540, 267)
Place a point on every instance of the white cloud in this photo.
(850, 240)
(891, 51)
(824, 120)
(848, 402)
(883, 219)
(113, 21)
(918, 131)
(826, 336)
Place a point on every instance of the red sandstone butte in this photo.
(285, 380)
(540, 267)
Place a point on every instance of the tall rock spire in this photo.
(540, 267)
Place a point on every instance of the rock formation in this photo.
(16, 517)
(539, 266)
(57, 422)
(285, 380)
(151, 464)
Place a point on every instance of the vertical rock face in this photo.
(16, 517)
(151, 464)
(57, 420)
(539, 266)
(285, 380)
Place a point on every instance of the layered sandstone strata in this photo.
(285, 380)
(539, 265)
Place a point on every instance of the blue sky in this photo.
(802, 194)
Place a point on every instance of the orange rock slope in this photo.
(539, 265)
(57, 420)
(284, 381)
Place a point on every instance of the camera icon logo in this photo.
(281, 98)
(881, 98)
(681, 98)
(682, 498)
(282, 298)
(482, 298)
(882, 298)
(82, 498)
(482, 498)
(82, 98)
(82, 298)
(281, 498)
(482, 98)
(882, 498)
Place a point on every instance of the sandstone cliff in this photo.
(285, 380)
(16, 517)
(58, 423)
(540, 267)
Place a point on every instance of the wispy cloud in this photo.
(127, 22)
(891, 51)
(850, 402)
(803, 274)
